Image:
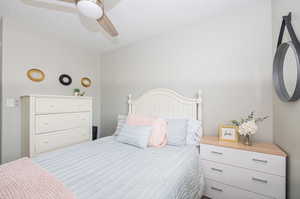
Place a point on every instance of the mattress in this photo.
(107, 169)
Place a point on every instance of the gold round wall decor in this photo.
(36, 75)
(86, 82)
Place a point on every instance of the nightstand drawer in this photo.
(216, 190)
(251, 160)
(258, 182)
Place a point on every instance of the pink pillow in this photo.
(158, 136)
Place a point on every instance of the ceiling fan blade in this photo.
(107, 25)
(69, 1)
(58, 6)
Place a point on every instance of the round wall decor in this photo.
(286, 65)
(65, 79)
(280, 65)
(86, 82)
(35, 75)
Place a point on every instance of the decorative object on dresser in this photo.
(52, 122)
(248, 127)
(36, 75)
(228, 133)
(65, 79)
(76, 92)
(234, 170)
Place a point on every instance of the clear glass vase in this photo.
(247, 140)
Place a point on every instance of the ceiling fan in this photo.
(94, 9)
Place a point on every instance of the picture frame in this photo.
(228, 133)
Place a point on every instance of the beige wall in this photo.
(228, 56)
(23, 49)
(286, 115)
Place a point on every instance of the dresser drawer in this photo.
(251, 160)
(52, 141)
(216, 190)
(258, 182)
(61, 105)
(56, 122)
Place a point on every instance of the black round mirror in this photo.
(286, 71)
(65, 80)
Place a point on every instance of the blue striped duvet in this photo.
(107, 169)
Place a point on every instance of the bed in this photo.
(108, 169)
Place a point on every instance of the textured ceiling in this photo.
(135, 19)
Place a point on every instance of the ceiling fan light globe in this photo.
(90, 8)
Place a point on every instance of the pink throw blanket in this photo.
(23, 179)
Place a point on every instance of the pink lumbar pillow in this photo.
(158, 136)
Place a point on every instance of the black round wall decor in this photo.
(65, 79)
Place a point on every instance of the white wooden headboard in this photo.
(166, 103)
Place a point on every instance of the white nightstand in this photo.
(236, 171)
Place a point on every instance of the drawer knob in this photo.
(216, 189)
(216, 152)
(46, 142)
(260, 180)
(261, 161)
(218, 170)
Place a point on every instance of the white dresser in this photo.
(52, 122)
(236, 171)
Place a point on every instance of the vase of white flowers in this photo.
(248, 127)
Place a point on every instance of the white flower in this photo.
(248, 128)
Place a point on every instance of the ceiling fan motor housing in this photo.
(91, 8)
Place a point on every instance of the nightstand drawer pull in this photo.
(216, 152)
(218, 170)
(216, 189)
(258, 160)
(260, 180)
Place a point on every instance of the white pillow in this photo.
(121, 122)
(194, 132)
(177, 132)
(135, 135)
